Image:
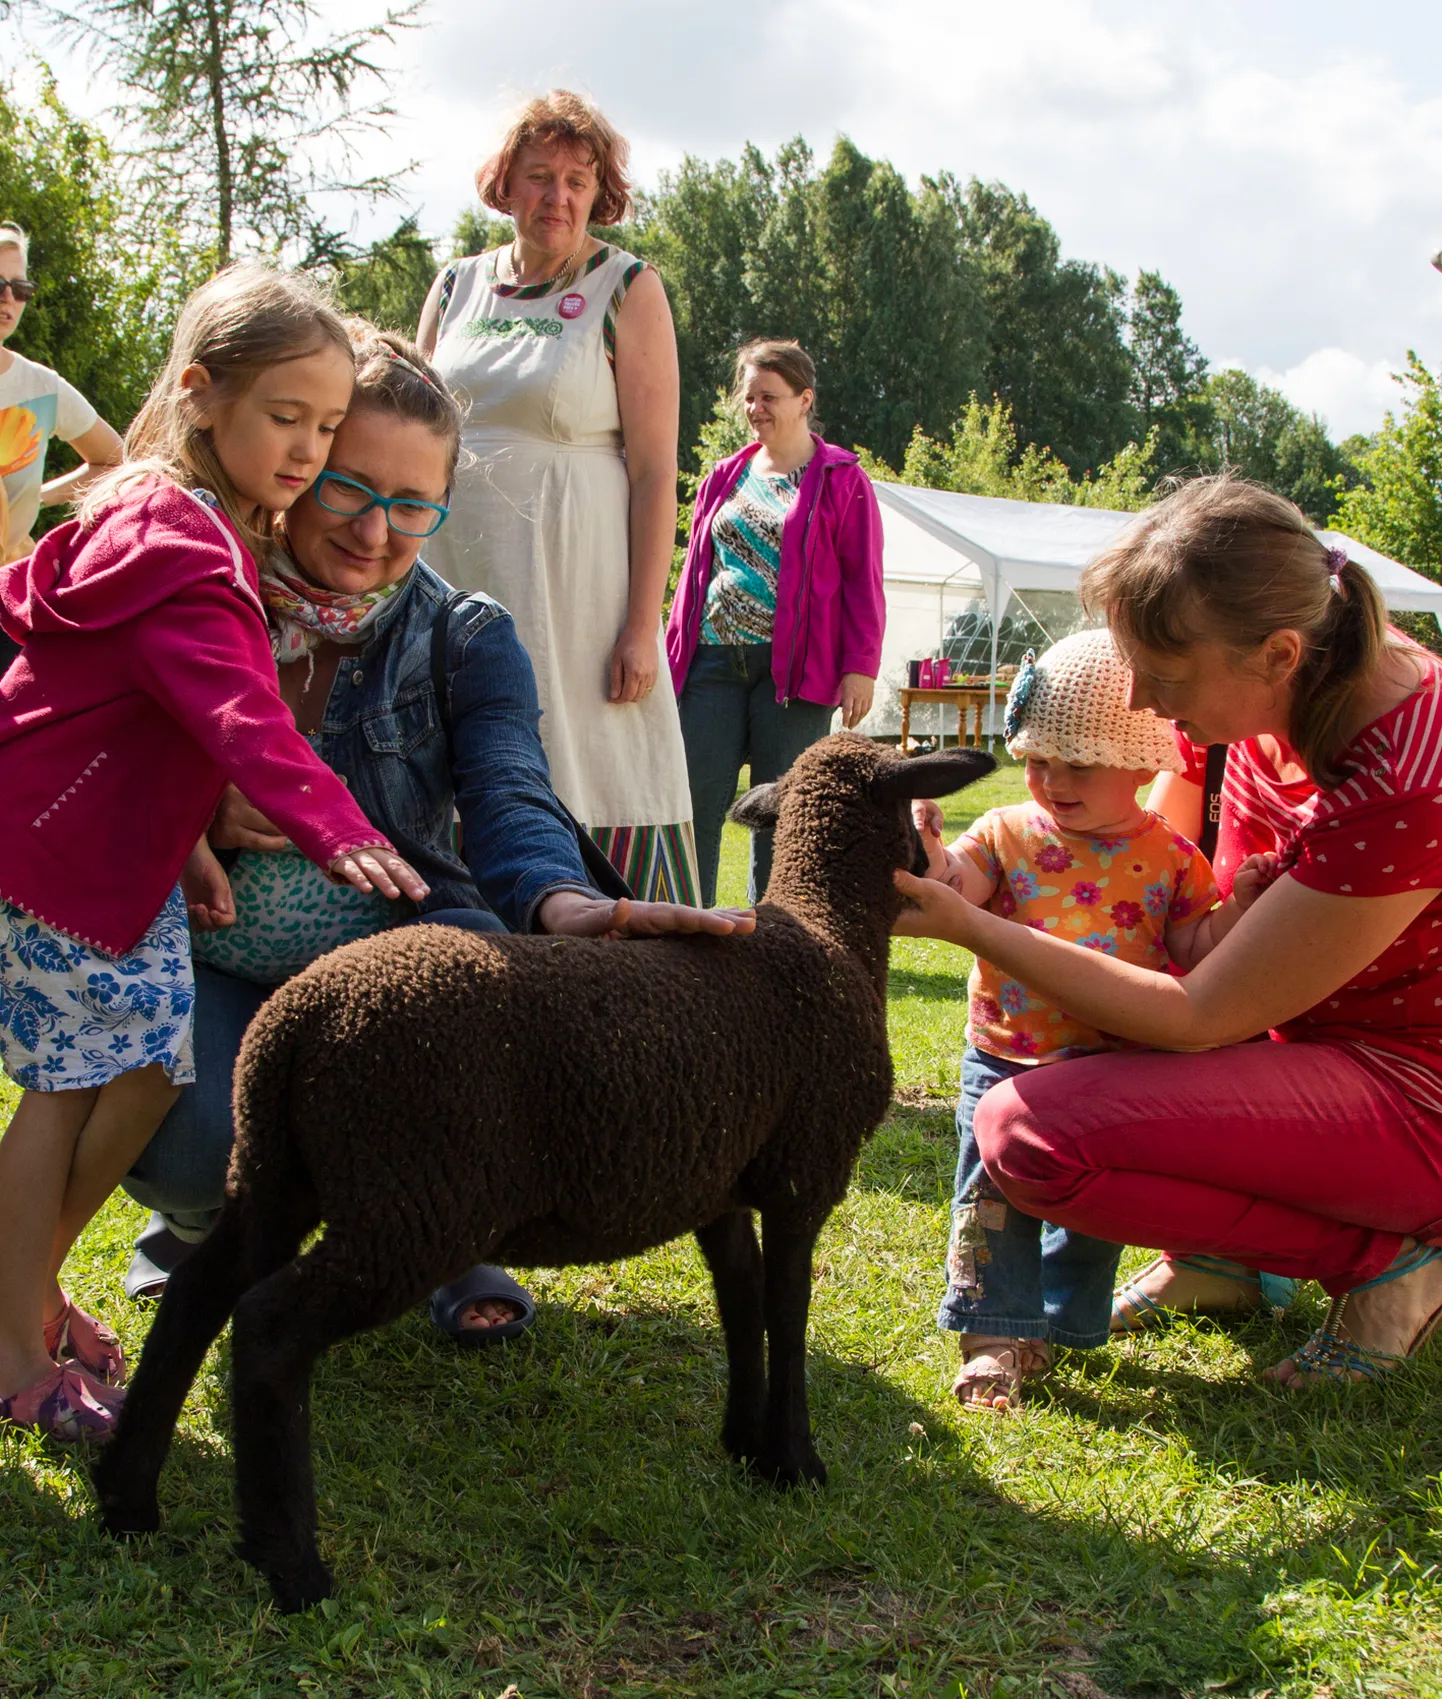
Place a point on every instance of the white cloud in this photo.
(1350, 394)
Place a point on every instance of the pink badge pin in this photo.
(572, 306)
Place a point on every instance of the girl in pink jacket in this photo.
(145, 684)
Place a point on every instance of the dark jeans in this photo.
(1007, 1273)
(181, 1172)
(730, 718)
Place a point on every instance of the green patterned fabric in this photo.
(287, 915)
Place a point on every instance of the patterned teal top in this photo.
(288, 914)
(740, 604)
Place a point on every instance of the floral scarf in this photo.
(303, 616)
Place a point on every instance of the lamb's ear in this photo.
(759, 809)
(938, 774)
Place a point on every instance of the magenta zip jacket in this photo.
(145, 682)
(830, 609)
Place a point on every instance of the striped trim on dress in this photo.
(657, 862)
(618, 294)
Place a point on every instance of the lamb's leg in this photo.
(198, 1299)
(787, 1453)
(730, 1248)
(281, 1326)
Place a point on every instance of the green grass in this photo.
(557, 1515)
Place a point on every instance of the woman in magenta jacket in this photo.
(779, 615)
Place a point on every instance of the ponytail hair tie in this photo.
(1336, 560)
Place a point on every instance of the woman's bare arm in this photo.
(98, 448)
(428, 330)
(648, 391)
(1179, 802)
(1290, 950)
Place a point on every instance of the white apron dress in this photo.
(540, 520)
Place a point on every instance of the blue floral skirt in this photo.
(72, 1017)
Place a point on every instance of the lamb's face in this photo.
(846, 803)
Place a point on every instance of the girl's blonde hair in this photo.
(1224, 560)
(246, 319)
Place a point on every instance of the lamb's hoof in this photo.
(126, 1519)
(298, 1586)
(792, 1470)
(742, 1441)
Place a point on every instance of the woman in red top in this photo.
(1317, 1154)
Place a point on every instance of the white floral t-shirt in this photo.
(35, 405)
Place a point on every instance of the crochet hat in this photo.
(1071, 705)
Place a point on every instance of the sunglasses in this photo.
(339, 494)
(20, 287)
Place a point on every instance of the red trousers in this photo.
(1293, 1158)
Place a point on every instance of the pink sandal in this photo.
(68, 1405)
(81, 1337)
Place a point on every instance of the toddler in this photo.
(145, 682)
(1087, 862)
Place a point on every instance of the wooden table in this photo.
(965, 699)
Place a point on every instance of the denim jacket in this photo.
(384, 734)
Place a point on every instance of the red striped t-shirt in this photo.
(1376, 834)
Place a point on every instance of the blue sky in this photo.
(1280, 163)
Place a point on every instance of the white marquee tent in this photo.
(948, 553)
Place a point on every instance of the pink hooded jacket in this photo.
(145, 683)
(830, 607)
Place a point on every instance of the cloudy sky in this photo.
(1280, 162)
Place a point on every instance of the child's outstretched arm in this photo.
(951, 864)
(1190, 943)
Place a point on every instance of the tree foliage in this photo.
(1168, 371)
(389, 282)
(870, 278)
(981, 457)
(1056, 348)
(1397, 508)
(1248, 428)
(99, 318)
(245, 112)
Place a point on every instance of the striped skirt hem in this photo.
(657, 862)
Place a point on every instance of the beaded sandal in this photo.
(1016, 1360)
(1133, 1311)
(1330, 1357)
(76, 1336)
(67, 1404)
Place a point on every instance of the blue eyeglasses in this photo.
(339, 494)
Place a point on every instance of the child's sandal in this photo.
(81, 1338)
(1013, 1361)
(68, 1405)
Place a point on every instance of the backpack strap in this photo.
(599, 869)
(1212, 798)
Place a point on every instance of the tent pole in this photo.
(991, 717)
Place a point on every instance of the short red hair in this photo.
(569, 120)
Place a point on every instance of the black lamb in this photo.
(439, 1098)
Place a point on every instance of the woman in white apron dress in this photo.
(563, 350)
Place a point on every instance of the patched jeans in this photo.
(1011, 1274)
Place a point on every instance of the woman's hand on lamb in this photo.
(378, 869)
(857, 691)
(573, 914)
(206, 889)
(936, 910)
(239, 826)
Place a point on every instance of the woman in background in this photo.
(779, 615)
(561, 347)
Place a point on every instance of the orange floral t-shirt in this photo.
(1117, 895)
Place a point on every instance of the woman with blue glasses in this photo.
(425, 703)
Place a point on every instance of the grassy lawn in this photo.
(555, 1519)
